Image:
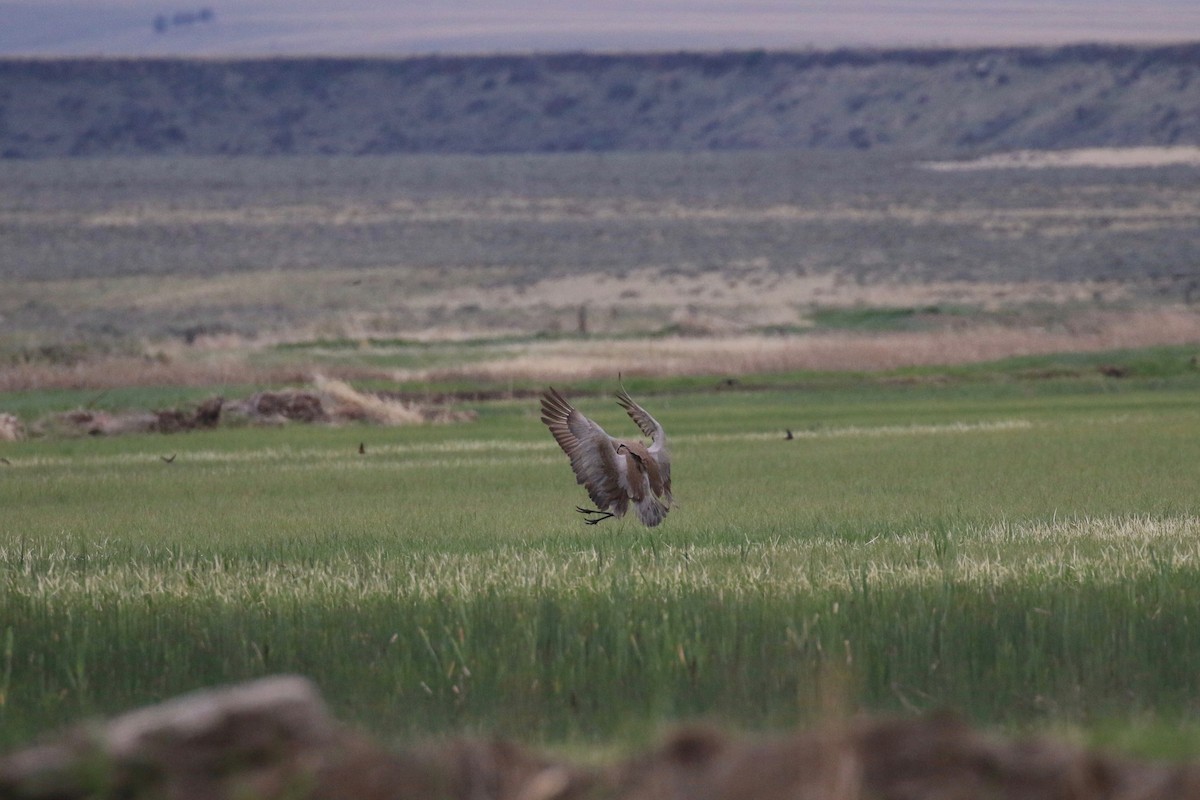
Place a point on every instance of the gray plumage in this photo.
(615, 472)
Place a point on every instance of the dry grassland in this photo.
(111, 372)
(747, 354)
(1096, 157)
(728, 354)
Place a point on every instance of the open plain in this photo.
(369, 266)
(987, 502)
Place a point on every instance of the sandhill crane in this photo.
(614, 471)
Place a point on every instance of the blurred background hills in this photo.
(310, 77)
(930, 100)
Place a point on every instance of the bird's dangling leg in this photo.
(594, 520)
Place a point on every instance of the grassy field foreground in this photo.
(1026, 556)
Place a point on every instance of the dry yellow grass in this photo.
(116, 371)
(599, 357)
(1103, 157)
(350, 402)
(108, 372)
(11, 429)
(746, 354)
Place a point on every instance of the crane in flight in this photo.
(615, 472)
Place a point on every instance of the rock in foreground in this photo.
(274, 738)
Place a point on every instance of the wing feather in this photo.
(651, 428)
(651, 511)
(664, 469)
(591, 451)
(615, 473)
(646, 423)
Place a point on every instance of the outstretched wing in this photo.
(650, 427)
(591, 450)
(646, 423)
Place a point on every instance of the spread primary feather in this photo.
(615, 472)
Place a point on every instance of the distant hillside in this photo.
(937, 101)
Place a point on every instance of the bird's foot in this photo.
(601, 515)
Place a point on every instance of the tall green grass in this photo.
(1025, 559)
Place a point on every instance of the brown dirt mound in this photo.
(274, 738)
(332, 402)
(103, 423)
(288, 405)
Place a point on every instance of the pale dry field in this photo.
(738, 355)
(600, 357)
(1093, 157)
(192, 272)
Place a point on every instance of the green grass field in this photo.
(1026, 553)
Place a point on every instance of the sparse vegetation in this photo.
(197, 260)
